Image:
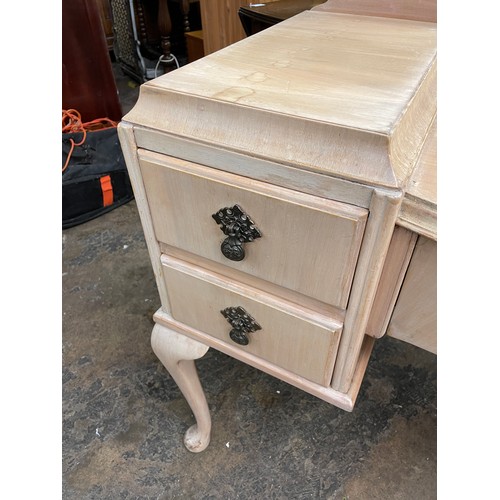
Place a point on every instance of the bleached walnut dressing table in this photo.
(286, 187)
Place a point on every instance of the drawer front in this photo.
(306, 244)
(296, 339)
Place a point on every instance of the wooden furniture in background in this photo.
(415, 10)
(220, 23)
(153, 29)
(256, 17)
(166, 28)
(88, 83)
(194, 45)
(261, 15)
(286, 189)
(107, 21)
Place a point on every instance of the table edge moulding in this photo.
(325, 125)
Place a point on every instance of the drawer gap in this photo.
(291, 296)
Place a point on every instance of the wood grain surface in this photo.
(417, 10)
(221, 24)
(362, 117)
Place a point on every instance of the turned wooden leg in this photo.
(165, 28)
(177, 353)
(184, 5)
(143, 34)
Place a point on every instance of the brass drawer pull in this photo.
(239, 228)
(241, 322)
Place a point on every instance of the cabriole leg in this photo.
(177, 353)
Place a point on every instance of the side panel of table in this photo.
(415, 316)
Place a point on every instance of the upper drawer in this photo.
(306, 244)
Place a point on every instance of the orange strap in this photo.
(72, 122)
(107, 191)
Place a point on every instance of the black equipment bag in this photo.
(96, 180)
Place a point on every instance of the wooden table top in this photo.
(344, 95)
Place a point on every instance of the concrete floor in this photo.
(124, 417)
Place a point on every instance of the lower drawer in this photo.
(292, 337)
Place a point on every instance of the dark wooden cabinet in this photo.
(104, 8)
(88, 83)
(256, 17)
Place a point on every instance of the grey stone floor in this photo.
(124, 418)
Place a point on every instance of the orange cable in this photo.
(72, 123)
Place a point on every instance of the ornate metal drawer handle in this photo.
(239, 228)
(242, 324)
